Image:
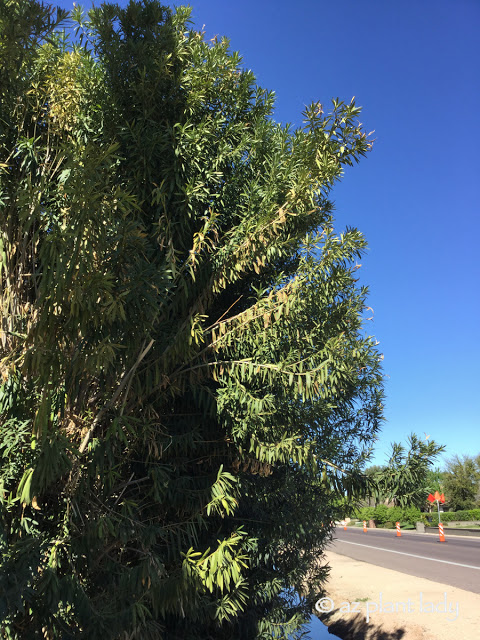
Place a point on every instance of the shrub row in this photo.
(383, 514)
(449, 516)
(410, 515)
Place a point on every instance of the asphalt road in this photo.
(455, 562)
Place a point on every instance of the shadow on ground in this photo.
(357, 628)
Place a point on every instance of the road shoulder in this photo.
(397, 605)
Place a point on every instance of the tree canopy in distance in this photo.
(405, 479)
(188, 392)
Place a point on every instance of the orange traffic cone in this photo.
(399, 533)
(365, 526)
(440, 531)
(344, 525)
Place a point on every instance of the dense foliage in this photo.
(187, 391)
(462, 482)
(467, 515)
(405, 479)
(435, 481)
(382, 514)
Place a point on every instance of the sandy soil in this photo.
(373, 603)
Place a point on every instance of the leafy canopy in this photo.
(406, 477)
(188, 395)
(462, 482)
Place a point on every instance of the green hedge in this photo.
(383, 514)
(366, 513)
(410, 515)
(449, 516)
(380, 514)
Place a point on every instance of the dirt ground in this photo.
(373, 603)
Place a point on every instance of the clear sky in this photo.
(414, 66)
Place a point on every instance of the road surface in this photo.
(455, 562)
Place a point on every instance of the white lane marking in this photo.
(410, 555)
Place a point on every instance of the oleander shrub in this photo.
(381, 514)
(187, 393)
(395, 514)
(366, 513)
(412, 515)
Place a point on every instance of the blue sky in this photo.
(415, 68)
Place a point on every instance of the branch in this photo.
(125, 378)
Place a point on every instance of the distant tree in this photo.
(462, 480)
(371, 474)
(477, 467)
(435, 480)
(372, 471)
(404, 478)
